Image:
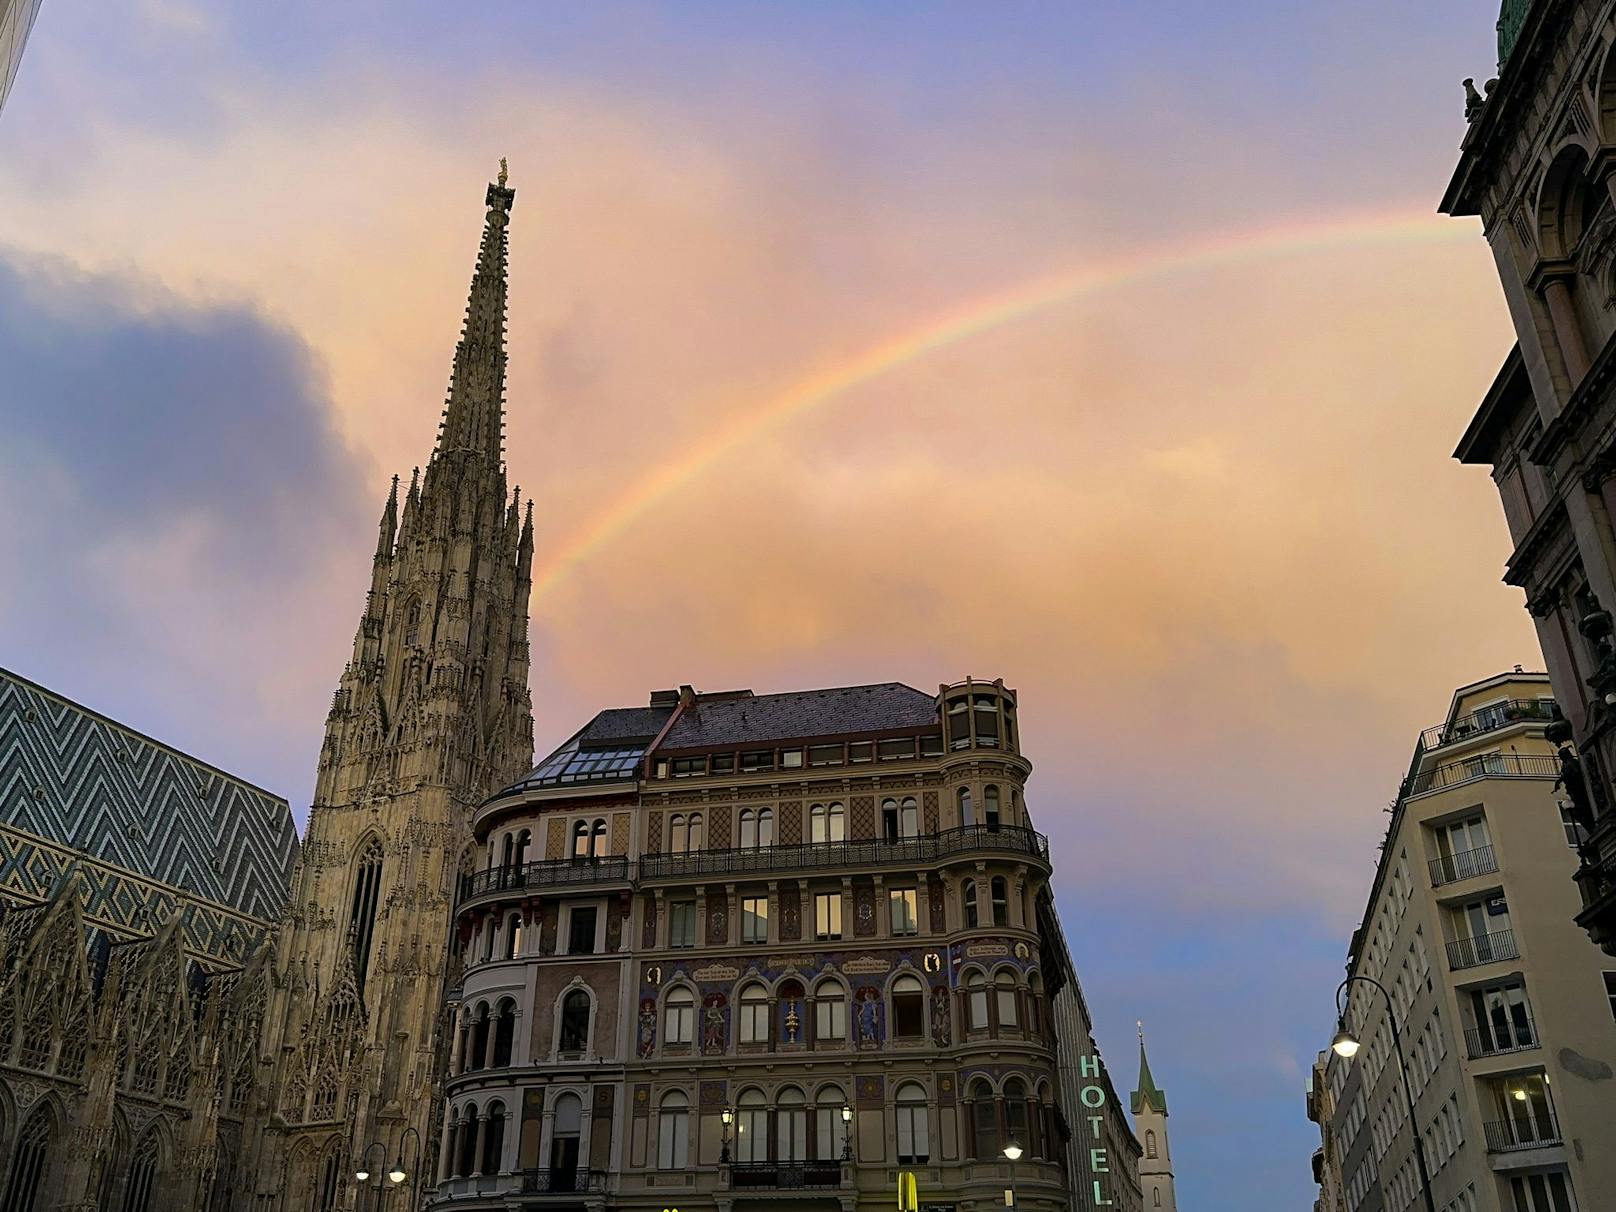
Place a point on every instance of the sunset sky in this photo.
(1114, 349)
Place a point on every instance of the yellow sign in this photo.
(908, 1192)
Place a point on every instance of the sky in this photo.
(1112, 349)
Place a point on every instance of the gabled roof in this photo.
(746, 718)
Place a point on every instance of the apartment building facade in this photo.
(725, 950)
(1502, 1002)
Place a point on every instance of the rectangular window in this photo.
(581, 931)
(682, 924)
(686, 766)
(723, 763)
(1542, 1192)
(790, 759)
(754, 919)
(905, 920)
(861, 751)
(757, 759)
(894, 750)
(830, 1019)
(1610, 992)
(827, 915)
(931, 746)
(1574, 834)
(825, 755)
(673, 1139)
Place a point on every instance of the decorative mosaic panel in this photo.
(941, 1028)
(645, 1031)
(718, 835)
(642, 1100)
(714, 1024)
(717, 920)
(648, 930)
(870, 1090)
(790, 913)
(861, 817)
(122, 902)
(615, 909)
(928, 805)
(603, 1101)
(555, 840)
(713, 1095)
(548, 925)
(947, 1087)
(790, 822)
(619, 833)
(653, 833)
(863, 908)
(939, 911)
(869, 1019)
(90, 785)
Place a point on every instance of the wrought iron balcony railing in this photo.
(785, 1176)
(1489, 719)
(1496, 1041)
(1483, 766)
(562, 1182)
(612, 869)
(806, 856)
(1482, 949)
(1527, 1132)
(1462, 865)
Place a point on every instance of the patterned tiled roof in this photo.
(838, 711)
(87, 782)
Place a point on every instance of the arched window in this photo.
(908, 1008)
(830, 1013)
(791, 1122)
(580, 839)
(490, 928)
(513, 936)
(909, 817)
(1015, 1112)
(523, 840)
(697, 838)
(673, 1131)
(468, 1140)
(575, 1022)
(827, 823)
(479, 1037)
(914, 1139)
(976, 1000)
(504, 1033)
(765, 826)
(330, 1180)
(754, 1015)
(597, 840)
(985, 1119)
(1004, 989)
(1150, 1144)
(412, 624)
(678, 834)
(968, 895)
(494, 1139)
(1155, 1197)
(137, 1191)
(830, 1132)
(507, 854)
(990, 806)
(749, 829)
(177, 1078)
(679, 1017)
(1001, 901)
(1035, 997)
(29, 1162)
(889, 819)
(568, 1124)
(367, 886)
(752, 1128)
(966, 816)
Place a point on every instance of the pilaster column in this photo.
(451, 1132)
(848, 925)
(774, 922)
(586, 1133)
(477, 1145)
(456, 1053)
(492, 1040)
(732, 920)
(883, 912)
(546, 1137)
(1567, 328)
(521, 1043)
(660, 936)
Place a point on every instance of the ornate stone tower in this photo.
(1149, 1106)
(432, 715)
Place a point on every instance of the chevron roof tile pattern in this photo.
(74, 776)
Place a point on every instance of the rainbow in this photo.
(979, 316)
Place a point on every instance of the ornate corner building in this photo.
(1538, 167)
(725, 950)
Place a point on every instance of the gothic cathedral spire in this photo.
(431, 716)
(1149, 1106)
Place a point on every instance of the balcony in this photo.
(1484, 766)
(784, 1176)
(1463, 865)
(1497, 1041)
(808, 856)
(613, 869)
(1490, 718)
(1527, 1132)
(1482, 949)
(562, 1182)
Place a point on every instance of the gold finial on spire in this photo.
(1140, 1023)
(504, 172)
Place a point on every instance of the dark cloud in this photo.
(176, 494)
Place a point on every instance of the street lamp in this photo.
(363, 1172)
(1346, 1044)
(847, 1133)
(397, 1174)
(1013, 1152)
(728, 1116)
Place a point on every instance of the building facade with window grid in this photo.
(1499, 998)
(819, 950)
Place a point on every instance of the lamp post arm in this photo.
(1408, 1085)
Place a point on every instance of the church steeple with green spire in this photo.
(1149, 1105)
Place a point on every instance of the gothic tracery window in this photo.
(137, 1191)
(29, 1163)
(362, 916)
